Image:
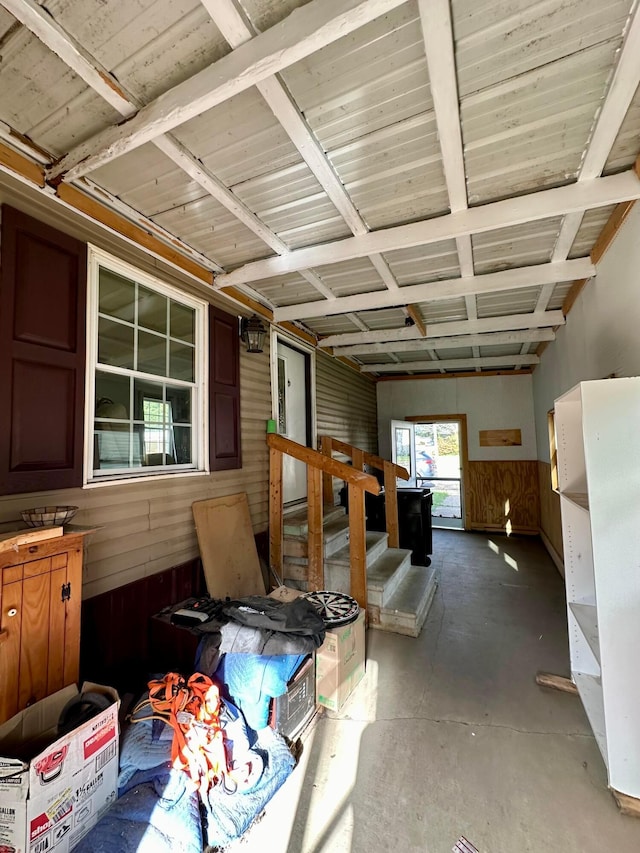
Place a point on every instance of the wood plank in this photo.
(17, 163)
(326, 447)
(13, 539)
(316, 531)
(414, 312)
(461, 375)
(325, 463)
(370, 458)
(543, 204)
(56, 633)
(507, 323)
(391, 504)
(556, 682)
(34, 647)
(452, 363)
(574, 291)
(304, 32)
(629, 806)
(613, 225)
(276, 522)
(93, 209)
(428, 344)
(432, 291)
(500, 437)
(357, 459)
(357, 546)
(227, 547)
(503, 495)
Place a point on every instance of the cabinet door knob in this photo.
(12, 611)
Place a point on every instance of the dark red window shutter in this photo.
(43, 286)
(224, 391)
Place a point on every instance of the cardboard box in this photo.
(340, 664)
(54, 789)
(290, 712)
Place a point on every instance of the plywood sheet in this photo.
(504, 496)
(227, 547)
(500, 437)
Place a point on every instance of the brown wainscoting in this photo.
(550, 520)
(115, 647)
(503, 496)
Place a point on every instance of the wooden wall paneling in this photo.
(503, 495)
(500, 437)
(550, 519)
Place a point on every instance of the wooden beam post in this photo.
(357, 459)
(276, 521)
(315, 575)
(357, 546)
(391, 504)
(326, 448)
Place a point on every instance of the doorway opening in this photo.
(433, 449)
(293, 383)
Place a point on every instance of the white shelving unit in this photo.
(598, 443)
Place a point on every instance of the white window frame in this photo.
(200, 413)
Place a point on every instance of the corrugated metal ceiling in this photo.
(531, 77)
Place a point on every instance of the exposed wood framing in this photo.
(461, 375)
(488, 339)
(598, 192)
(510, 322)
(453, 364)
(414, 313)
(304, 32)
(556, 682)
(500, 437)
(613, 224)
(512, 279)
(14, 162)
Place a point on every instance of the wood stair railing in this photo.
(319, 465)
(360, 458)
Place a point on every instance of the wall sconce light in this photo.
(252, 332)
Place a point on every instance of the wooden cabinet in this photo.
(598, 447)
(40, 596)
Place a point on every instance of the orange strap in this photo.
(192, 709)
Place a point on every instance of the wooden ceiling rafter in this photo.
(455, 363)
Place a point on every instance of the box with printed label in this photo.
(54, 787)
(340, 664)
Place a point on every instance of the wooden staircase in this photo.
(398, 594)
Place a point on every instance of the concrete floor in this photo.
(448, 734)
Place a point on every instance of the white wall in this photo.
(601, 335)
(491, 402)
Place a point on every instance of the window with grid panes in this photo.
(146, 374)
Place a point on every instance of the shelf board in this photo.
(590, 690)
(580, 499)
(587, 618)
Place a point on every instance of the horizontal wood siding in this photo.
(345, 406)
(147, 527)
(503, 496)
(550, 519)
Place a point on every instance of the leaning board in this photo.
(227, 547)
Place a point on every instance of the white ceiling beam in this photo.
(305, 31)
(489, 339)
(455, 327)
(453, 364)
(513, 279)
(230, 21)
(584, 195)
(624, 83)
(435, 18)
(71, 52)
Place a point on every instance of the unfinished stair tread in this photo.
(375, 543)
(407, 609)
(296, 523)
(385, 567)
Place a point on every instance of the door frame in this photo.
(464, 455)
(277, 335)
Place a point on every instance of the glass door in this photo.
(438, 466)
(403, 449)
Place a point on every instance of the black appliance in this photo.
(414, 520)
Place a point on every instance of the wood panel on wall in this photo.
(550, 519)
(503, 496)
